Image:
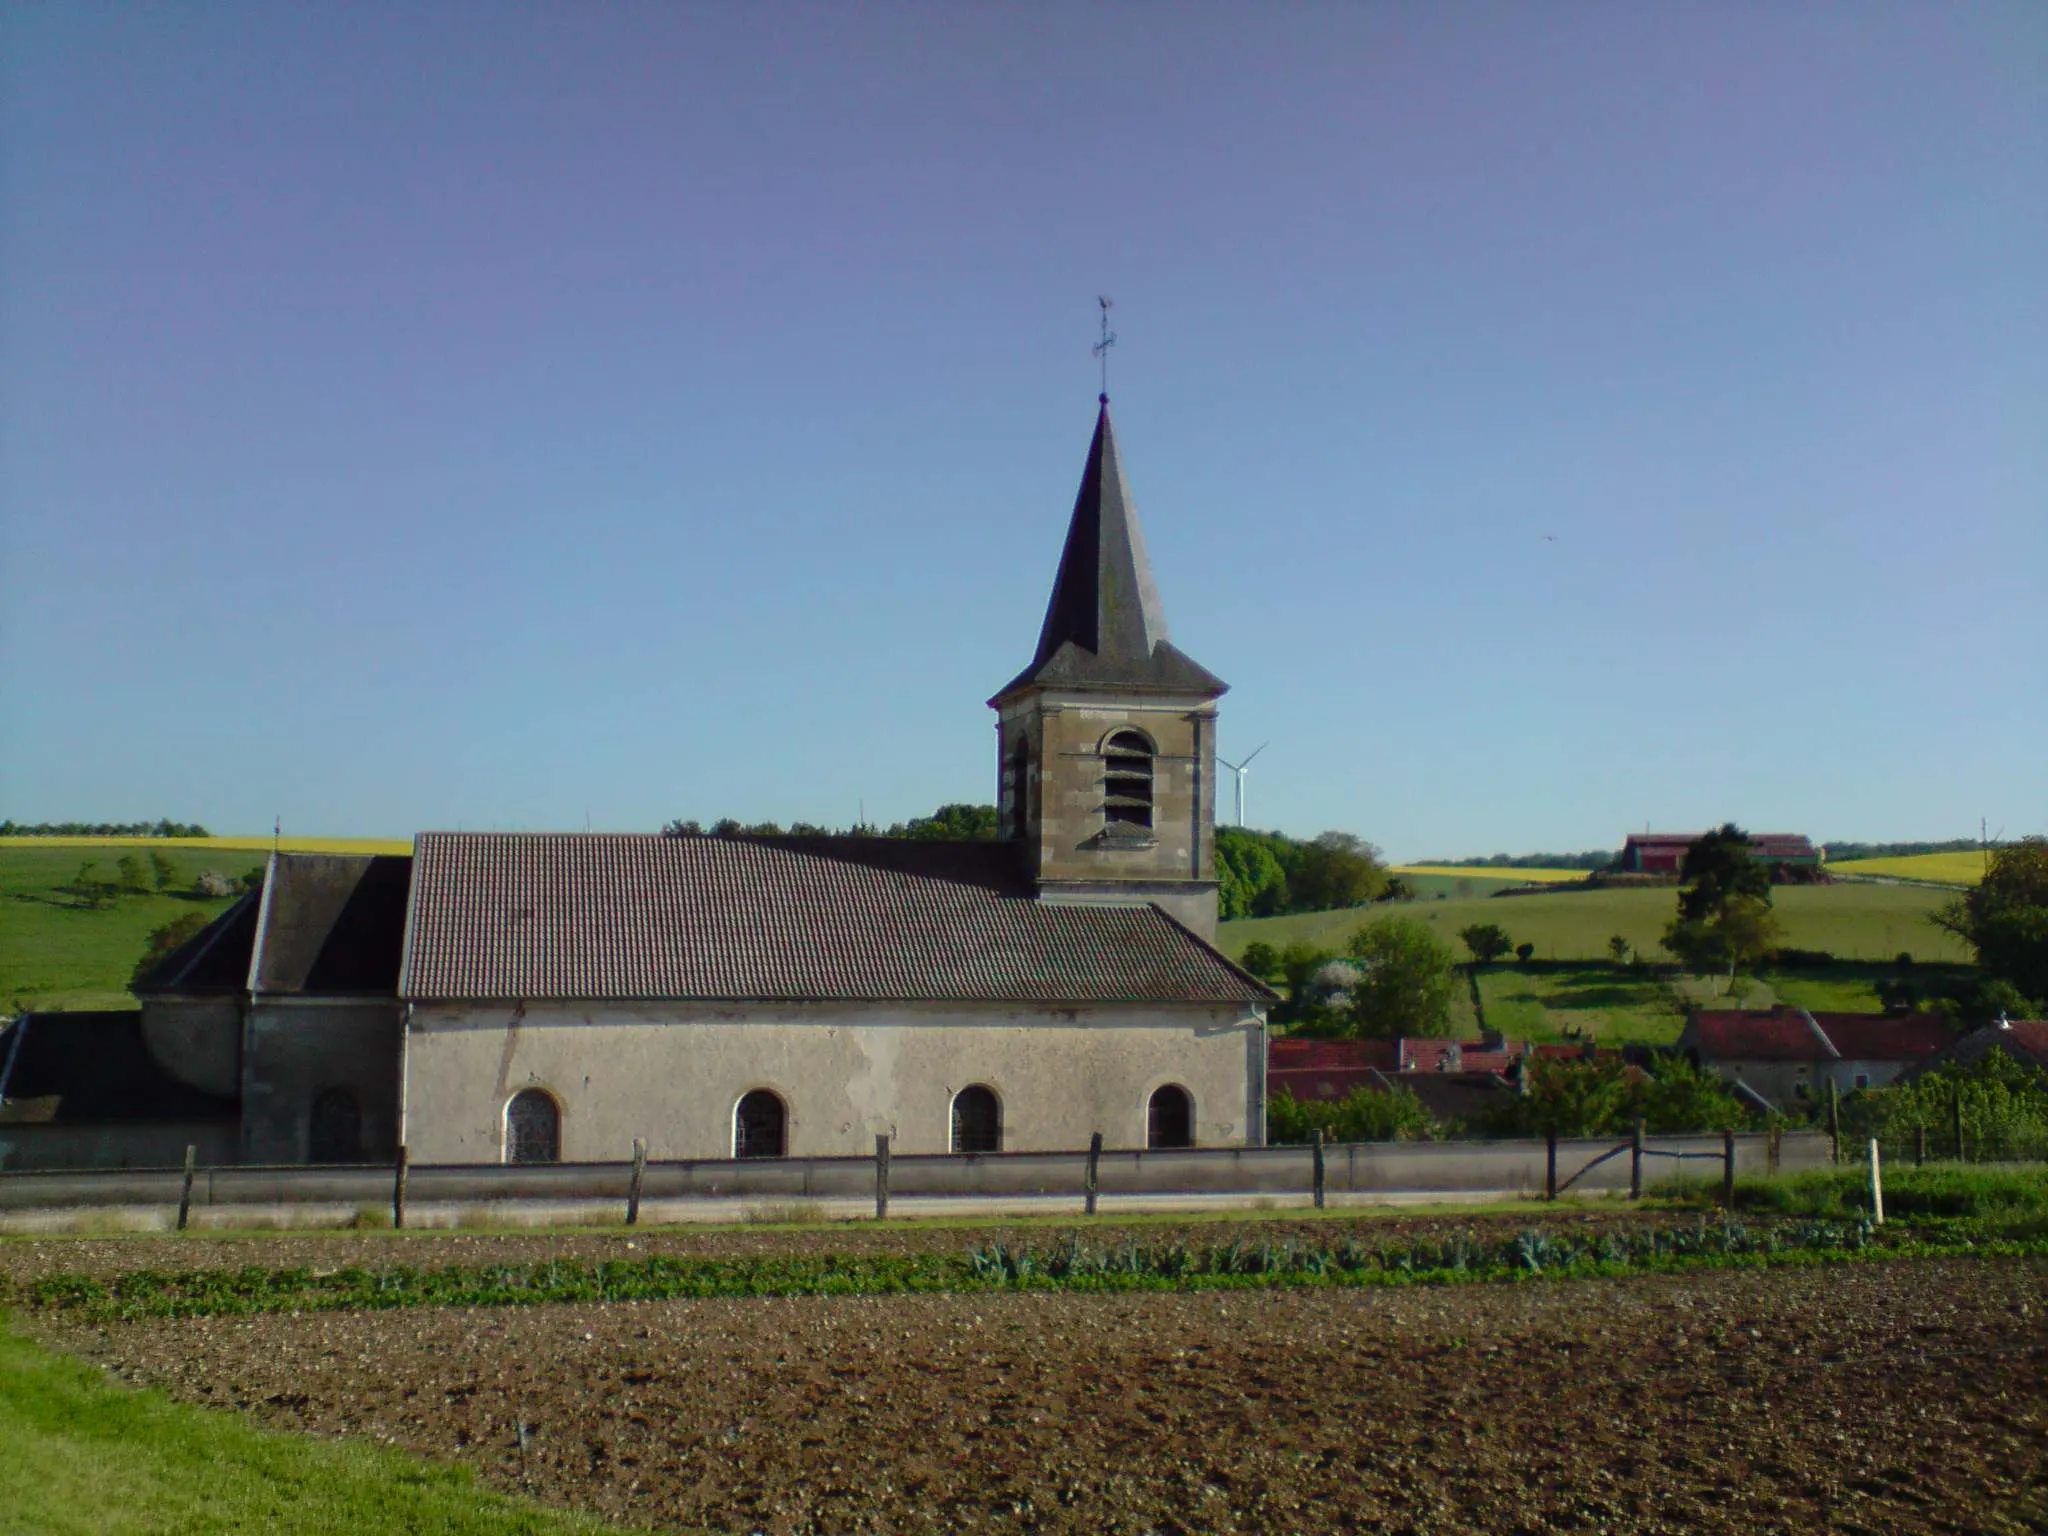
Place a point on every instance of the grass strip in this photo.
(87, 1457)
(1075, 1264)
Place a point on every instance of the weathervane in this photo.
(1102, 347)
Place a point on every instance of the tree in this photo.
(1525, 953)
(1749, 930)
(1572, 1097)
(2005, 918)
(1618, 949)
(161, 943)
(1487, 941)
(162, 870)
(1682, 1097)
(1696, 945)
(131, 876)
(1718, 867)
(958, 822)
(1336, 870)
(92, 891)
(1260, 959)
(1250, 880)
(252, 880)
(1407, 983)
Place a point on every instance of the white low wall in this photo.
(1368, 1168)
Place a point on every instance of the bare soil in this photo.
(1903, 1396)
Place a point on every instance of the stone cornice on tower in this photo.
(1105, 627)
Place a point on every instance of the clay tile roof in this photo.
(511, 916)
(1730, 1035)
(2025, 1040)
(1886, 1036)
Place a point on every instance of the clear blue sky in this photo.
(507, 415)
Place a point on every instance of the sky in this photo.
(1553, 421)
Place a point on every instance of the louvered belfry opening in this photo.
(1170, 1119)
(533, 1128)
(977, 1120)
(760, 1126)
(335, 1134)
(1127, 779)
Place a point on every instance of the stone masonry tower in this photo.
(1108, 739)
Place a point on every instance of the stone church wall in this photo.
(298, 1047)
(845, 1072)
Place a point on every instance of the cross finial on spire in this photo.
(1102, 347)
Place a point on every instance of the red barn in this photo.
(1661, 853)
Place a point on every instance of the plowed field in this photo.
(1904, 1396)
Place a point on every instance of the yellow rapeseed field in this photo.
(1947, 868)
(230, 844)
(1492, 872)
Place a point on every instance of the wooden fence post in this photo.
(1550, 1166)
(398, 1176)
(1728, 1171)
(1635, 1160)
(1316, 1145)
(185, 1194)
(1834, 1124)
(1094, 1169)
(1919, 1146)
(882, 1177)
(1876, 1186)
(1957, 1105)
(633, 1186)
(1774, 1148)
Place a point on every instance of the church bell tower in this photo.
(1107, 741)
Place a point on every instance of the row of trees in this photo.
(959, 822)
(1265, 874)
(103, 829)
(133, 877)
(1261, 874)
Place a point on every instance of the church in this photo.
(541, 997)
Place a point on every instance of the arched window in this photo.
(1127, 779)
(1020, 788)
(1170, 1118)
(533, 1128)
(760, 1126)
(336, 1132)
(977, 1120)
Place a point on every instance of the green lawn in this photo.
(86, 1457)
(55, 953)
(1852, 921)
(1610, 1004)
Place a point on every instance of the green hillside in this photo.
(1851, 921)
(57, 953)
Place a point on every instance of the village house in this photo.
(534, 997)
(1784, 1059)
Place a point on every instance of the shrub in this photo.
(212, 884)
(1525, 953)
(1366, 1114)
(1486, 941)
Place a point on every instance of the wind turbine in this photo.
(1241, 769)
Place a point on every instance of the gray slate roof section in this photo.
(213, 962)
(1105, 625)
(594, 917)
(334, 924)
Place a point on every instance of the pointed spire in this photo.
(1105, 624)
